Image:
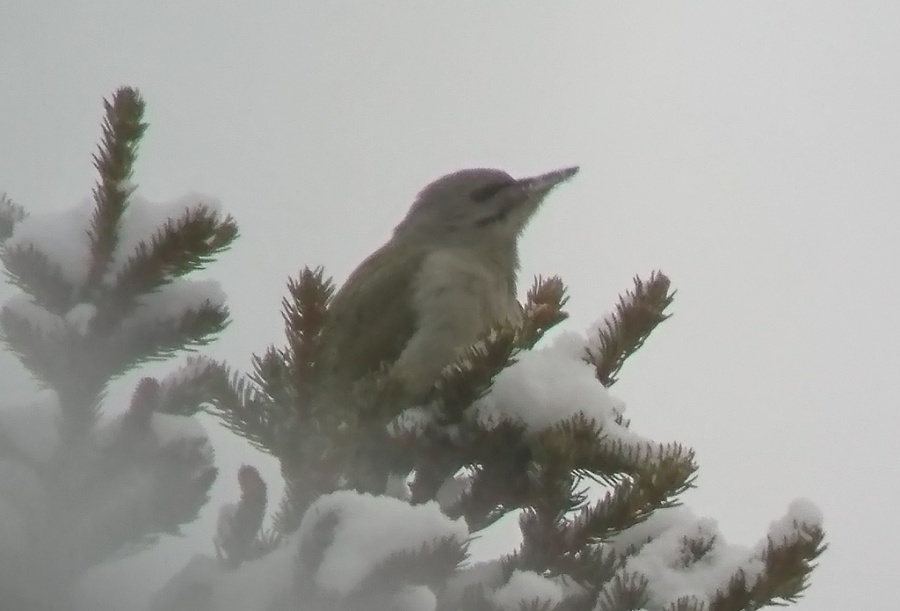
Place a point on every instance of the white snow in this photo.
(62, 236)
(663, 561)
(355, 550)
(524, 587)
(452, 490)
(256, 584)
(80, 317)
(801, 512)
(126, 186)
(411, 420)
(252, 587)
(571, 344)
(398, 486)
(605, 323)
(414, 598)
(358, 548)
(142, 220)
(33, 427)
(172, 301)
(15, 538)
(194, 366)
(171, 428)
(502, 537)
(550, 385)
(488, 574)
(658, 522)
(49, 324)
(21, 488)
(544, 387)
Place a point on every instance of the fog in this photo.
(749, 150)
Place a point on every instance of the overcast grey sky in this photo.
(748, 149)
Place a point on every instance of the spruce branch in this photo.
(287, 375)
(132, 488)
(315, 544)
(188, 389)
(296, 499)
(38, 348)
(579, 601)
(431, 565)
(470, 377)
(182, 245)
(285, 417)
(499, 457)
(160, 338)
(304, 315)
(238, 537)
(11, 214)
(687, 603)
(32, 271)
(272, 376)
(543, 309)
(145, 401)
(241, 406)
(624, 331)
(123, 129)
(284, 379)
(374, 400)
(625, 592)
(632, 500)
(186, 476)
(650, 480)
(788, 565)
(108, 490)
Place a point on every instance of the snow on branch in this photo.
(185, 241)
(185, 314)
(47, 256)
(787, 556)
(342, 556)
(104, 291)
(33, 334)
(685, 563)
(11, 213)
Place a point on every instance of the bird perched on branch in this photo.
(438, 285)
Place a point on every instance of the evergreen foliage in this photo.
(358, 460)
(361, 442)
(102, 486)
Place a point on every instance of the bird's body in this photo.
(447, 275)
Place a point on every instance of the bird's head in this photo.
(475, 203)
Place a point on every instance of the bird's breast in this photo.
(458, 280)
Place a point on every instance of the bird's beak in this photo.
(542, 183)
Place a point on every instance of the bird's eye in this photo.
(483, 194)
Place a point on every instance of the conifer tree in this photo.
(476, 451)
(382, 498)
(103, 289)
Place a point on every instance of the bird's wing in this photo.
(370, 318)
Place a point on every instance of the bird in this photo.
(444, 278)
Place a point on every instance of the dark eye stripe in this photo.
(499, 216)
(483, 194)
